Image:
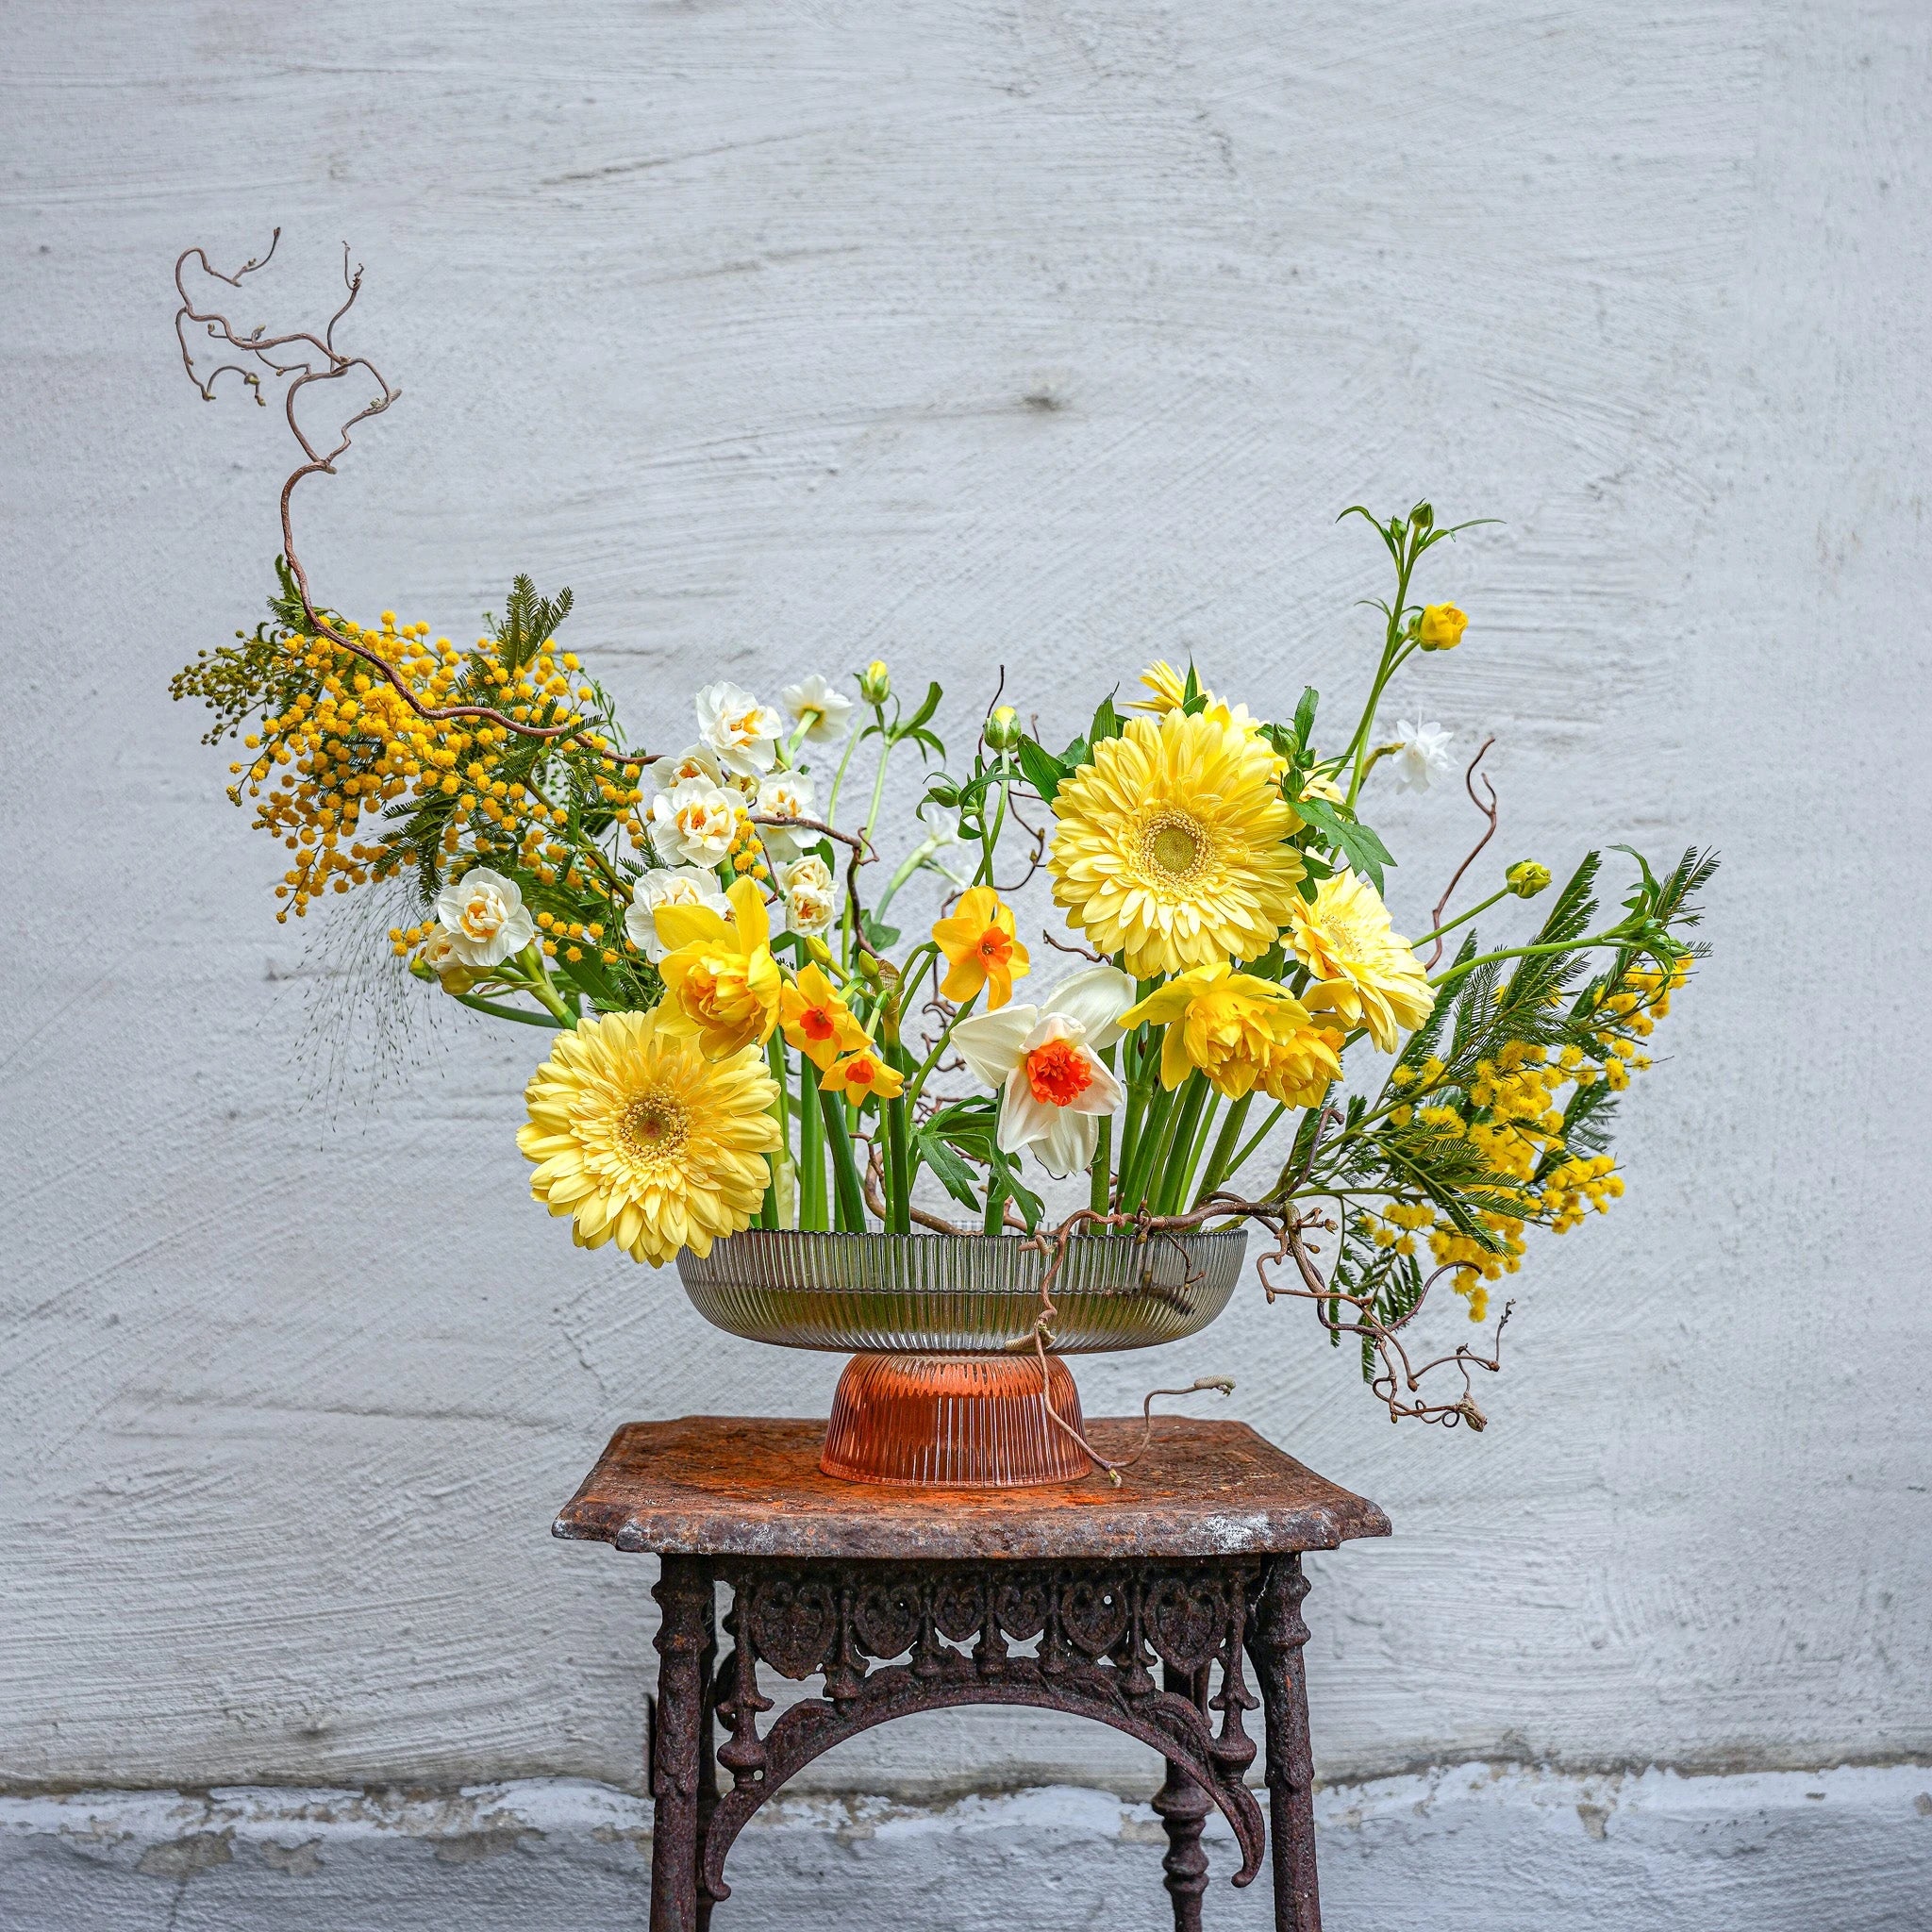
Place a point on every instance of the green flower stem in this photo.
(851, 1198)
(1177, 1157)
(1221, 1162)
(812, 1151)
(1615, 938)
(850, 926)
(495, 1012)
(1254, 1140)
(919, 855)
(1100, 1187)
(1146, 1126)
(990, 839)
(1157, 1141)
(1461, 919)
(839, 779)
(995, 1220)
(774, 1058)
(917, 1083)
(898, 1166)
(542, 987)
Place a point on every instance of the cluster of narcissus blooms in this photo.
(737, 1044)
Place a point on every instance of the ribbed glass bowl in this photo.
(960, 1295)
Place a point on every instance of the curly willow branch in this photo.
(303, 357)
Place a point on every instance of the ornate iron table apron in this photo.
(906, 1602)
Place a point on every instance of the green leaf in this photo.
(880, 936)
(1305, 716)
(1349, 836)
(927, 706)
(1042, 770)
(529, 621)
(1077, 753)
(952, 1172)
(1029, 1203)
(1106, 723)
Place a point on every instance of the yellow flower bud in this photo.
(1526, 878)
(1442, 627)
(876, 682)
(1003, 729)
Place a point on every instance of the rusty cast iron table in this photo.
(1194, 1563)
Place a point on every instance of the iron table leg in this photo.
(684, 1642)
(1275, 1643)
(1183, 1807)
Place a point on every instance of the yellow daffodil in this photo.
(1365, 973)
(719, 979)
(860, 1075)
(1169, 845)
(643, 1141)
(1442, 627)
(816, 1021)
(1241, 1032)
(980, 949)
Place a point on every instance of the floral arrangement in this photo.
(744, 1031)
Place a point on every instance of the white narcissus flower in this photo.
(1421, 755)
(683, 885)
(695, 761)
(693, 823)
(819, 707)
(812, 894)
(1046, 1059)
(483, 914)
(742, 732)
(784, 796)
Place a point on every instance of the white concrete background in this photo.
(969, 334)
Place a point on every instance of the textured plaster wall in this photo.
(966, 334)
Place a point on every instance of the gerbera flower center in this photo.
(1058, 1073)
(653, 1126)
(1173, 844)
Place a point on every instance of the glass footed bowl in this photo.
(960, 1294)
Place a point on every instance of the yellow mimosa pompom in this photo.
(645, 1142)
(1169, 845)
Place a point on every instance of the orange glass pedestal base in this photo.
(977, 1421)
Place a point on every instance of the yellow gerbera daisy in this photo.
(643, 1141)
(1169, 848)
(1365, 973)
(1166, 689)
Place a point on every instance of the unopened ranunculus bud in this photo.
(1526, 878)
(1442, 627)
(876, 682)
(1003, 729)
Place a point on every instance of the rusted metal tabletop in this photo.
(913, 1600)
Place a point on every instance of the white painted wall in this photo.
(735, 318)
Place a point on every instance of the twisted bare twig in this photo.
(301, 369)
(1489, 811)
